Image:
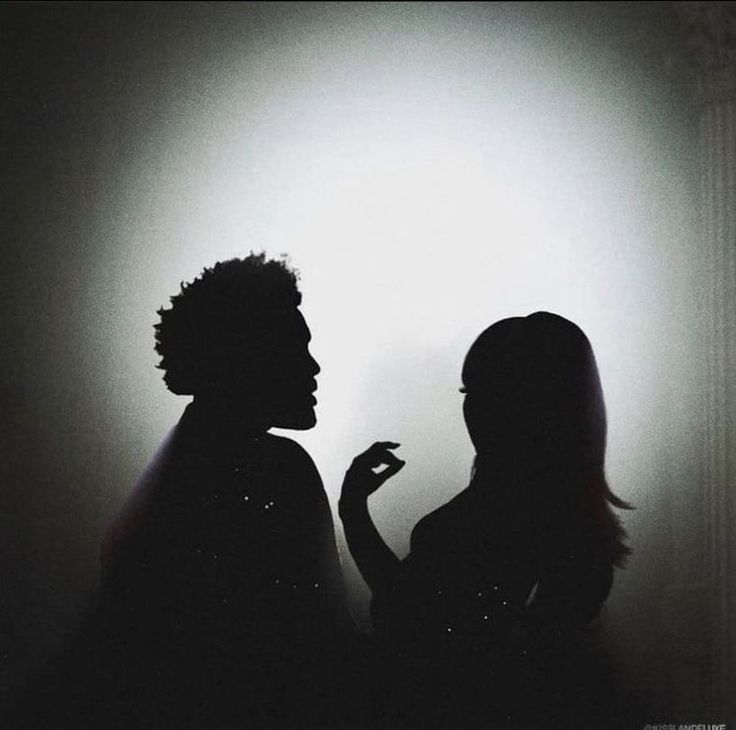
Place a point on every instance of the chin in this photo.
(301, 420)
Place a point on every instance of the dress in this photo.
(222, 584)
(481, 626)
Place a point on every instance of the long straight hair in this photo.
(534, 403)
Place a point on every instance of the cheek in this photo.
(483, 421)
(472, 411)
(472, 422)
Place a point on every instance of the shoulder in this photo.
(287, 449)
(453, 516)
(293, 459)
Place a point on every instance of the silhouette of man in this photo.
(222, 572)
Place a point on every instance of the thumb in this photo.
(395, 466)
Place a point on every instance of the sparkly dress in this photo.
(482, 625)
(224, 583)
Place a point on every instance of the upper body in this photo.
(228, 549)
(223, 568)
(477, 574)
(508, 574)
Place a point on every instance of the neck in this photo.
(226, 420)
(501, 466)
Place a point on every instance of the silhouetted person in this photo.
(221, 580)
(485, 620)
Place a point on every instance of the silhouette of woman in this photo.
(482, 620)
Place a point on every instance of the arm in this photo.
(316, 548)
(375, 560)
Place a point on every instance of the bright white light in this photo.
(427, 180)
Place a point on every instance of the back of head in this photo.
(535, 412)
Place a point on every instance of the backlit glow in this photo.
(428, 174)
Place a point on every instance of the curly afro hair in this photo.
(226, 310)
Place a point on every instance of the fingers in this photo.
(389, 471)
(386, 445)
(390, 460)
(376, 455)
(380, 447)
(366, 474)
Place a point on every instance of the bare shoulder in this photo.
(305, 483)
(286, 447)
(292, 455)
(456, 517)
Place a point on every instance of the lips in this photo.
(308, 395)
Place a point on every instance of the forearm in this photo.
(375, 559)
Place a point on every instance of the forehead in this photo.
(287, 329)
(297, 326)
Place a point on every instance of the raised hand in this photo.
(362, 479)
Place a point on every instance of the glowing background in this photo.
(428, 175)
(428, 168)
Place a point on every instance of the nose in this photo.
(314, 365)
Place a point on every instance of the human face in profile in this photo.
(268, 374)
(289, 376)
